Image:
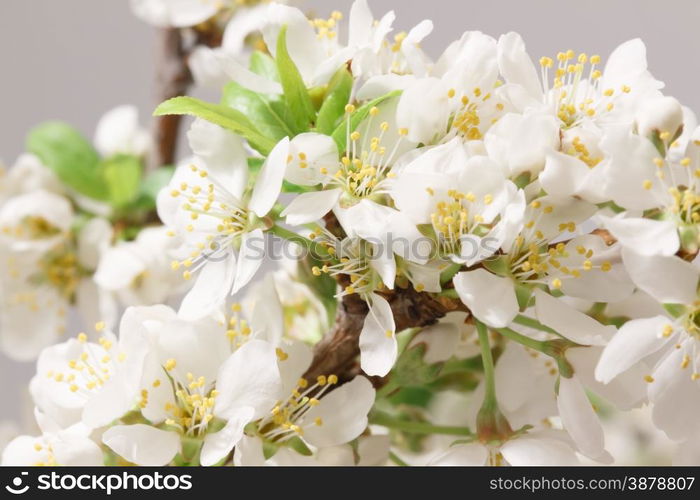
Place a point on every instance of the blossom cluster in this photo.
(509, 248)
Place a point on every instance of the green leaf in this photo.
(269, 449)
(72, 158)
(336, 98)
(264, 65)
(122, 173)
(157, 180)
(299, 446)
(228, 118)
(301, 109)
(411, 370)
(266, 113)
(341, 131)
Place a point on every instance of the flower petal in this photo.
(219, 444)
(570, 322)
(310, 207)
(142, 444)
(378, 348)
(269, 181)
(343, 414)
(634, 341)
(644, 236)
(579, 419)
(667, 279)
(490, 298)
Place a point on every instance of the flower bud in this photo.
(660, 115)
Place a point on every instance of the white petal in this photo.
(569, 322)
(93, 239)
(249, 259)
(378, 347)
(343, 413)
(489, 297)
(118, 131)
(320, 153)
(579, 419)
(142, 444)
(644, 236)
(440, 341)
(267, 319)
(268, 184)
(219, 444)
(516, 66)
(210, 290)
(535, 450)
(667, 279)
(473, 454)
(245, 77)
(249, 377)
(634, 341)
(676, 398)
(310, 207)
(423, 110)
(223, 154)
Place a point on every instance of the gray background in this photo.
(74, 59)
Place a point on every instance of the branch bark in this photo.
(336, 353)
(173, 78)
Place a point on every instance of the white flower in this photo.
(324, 422)
(219, 219)
(139, 272)
(27, 174)
(354, 186)
(662, 114)
(667, 343)
(40, 284)
(531, 448)
(458, 97)
(178, 13)
(92, 383)
(55, 446)
(237, 389)
(119, 132)
(461, 197)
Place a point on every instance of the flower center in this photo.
(32, 227)
(213, 200)
(287, 418)
(576, 92)
(475, 112)
(193, 407)
(458, 216)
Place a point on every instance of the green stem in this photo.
(489, 372)
(450, 293)
(552, 348)
(386, 420)
(533, 323)
(397, 460)
(316, 250)
(537, 345)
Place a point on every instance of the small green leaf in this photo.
(266, 113)
(336, 98)
(228, 118)
(269, 449)
(299, 446)
(264, 65)
(71, 157)
(411, 370)
(301, 109)
(122, 173)
(340, 132)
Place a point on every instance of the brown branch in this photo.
(336, 353)
(173, 78)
